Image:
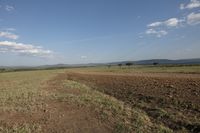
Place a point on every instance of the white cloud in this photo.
(8, 35)
(155, 24)
(191, 5)
(9, 8)
(157, 28)
(10, 29)
(172, 22)
(193, 18)
(182, 6)
(24, 49)
(160, 28)
(158, 33)
(83, 57)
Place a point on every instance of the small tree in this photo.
(109, 66)
(155, 63)
(2, 69)
(129, 64)
(120, 65)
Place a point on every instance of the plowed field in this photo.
(170, 99)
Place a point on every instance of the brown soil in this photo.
(58, 118)
(170, 99)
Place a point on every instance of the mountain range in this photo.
(195, 61)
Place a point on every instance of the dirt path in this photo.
(67, 117)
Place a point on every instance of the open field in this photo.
(144, 68)
(101, 99)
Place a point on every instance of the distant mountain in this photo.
(140, 62)
(162, 61)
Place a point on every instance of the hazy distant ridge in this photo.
(139, 62)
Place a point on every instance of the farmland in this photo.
(101, 99)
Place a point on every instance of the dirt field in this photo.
(171, 99)
(75, 100)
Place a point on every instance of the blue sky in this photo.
(38, 32)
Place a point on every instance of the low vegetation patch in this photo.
(58, 101)
(123, 118)
(143, 68)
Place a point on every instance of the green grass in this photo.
(21, 90)
(23, 128)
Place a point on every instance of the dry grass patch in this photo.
(123, 118)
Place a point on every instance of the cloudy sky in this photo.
(38, 32)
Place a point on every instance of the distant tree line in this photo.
(126, 64)
(2, 69)
(155, 63)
